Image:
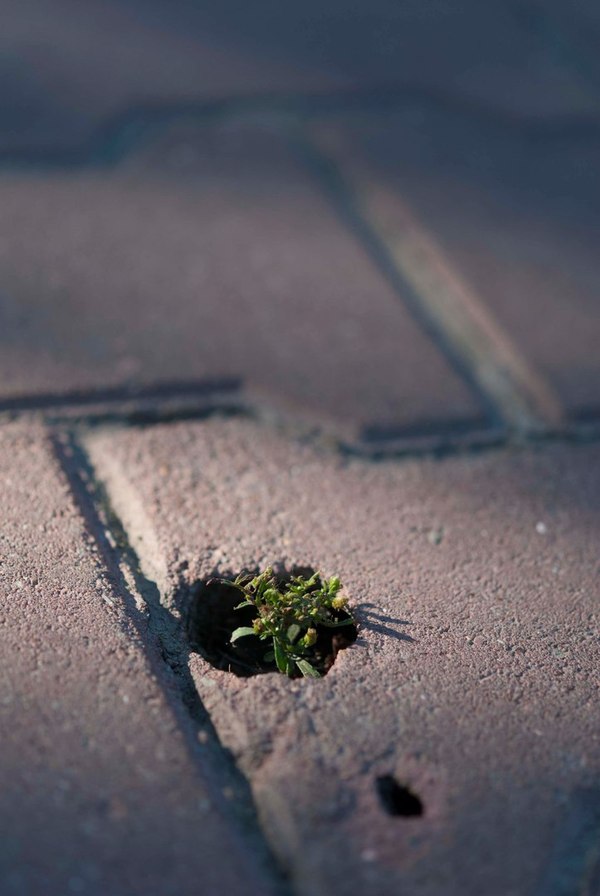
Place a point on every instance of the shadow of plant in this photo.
(371, 617)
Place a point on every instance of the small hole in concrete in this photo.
(212, 619)
(397, 799)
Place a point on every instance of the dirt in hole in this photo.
(212, 619)
(397, 799)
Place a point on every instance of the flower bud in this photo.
(339, 602)
(310, 637)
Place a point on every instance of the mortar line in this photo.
(167, 660)
(206, 389)
(121, 133)
(304, 426)
(424, 280)
(440, 442)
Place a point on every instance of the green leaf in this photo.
(307, 670)
(241, 632)
(244, 603)
(280, 657)
(293, 632)
(269, 656)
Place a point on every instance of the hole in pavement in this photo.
(397, 799)
(212, 619)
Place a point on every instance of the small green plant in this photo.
(289, 613)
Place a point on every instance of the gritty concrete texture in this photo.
(99, 792)
(315, 232)
(514, 214)
(474, 680)
(210, 254)
(71, 65)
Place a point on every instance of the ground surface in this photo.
(314, 285)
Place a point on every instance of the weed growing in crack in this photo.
(294, 614)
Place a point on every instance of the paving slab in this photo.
(511, 219)
(68, 66)
(474, 680)
(462, 49)
(574, 29)
(210, 255)
(99, 792)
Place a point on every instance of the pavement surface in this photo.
(313, 285)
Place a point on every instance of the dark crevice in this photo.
(168, 390)
(452, 446)
(166, 652)
(380, 433)
(372, 445)
(398, 799)
(212, 618)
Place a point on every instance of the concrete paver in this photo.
(211, 263)
(462, 49)
(98, 792)
(211, 254)
(474, 680)
(514, 218)
(575, 28)
(71, 64)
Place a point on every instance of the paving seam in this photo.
(460, 324)
(441, 442)
(510, 389)
(121, 394)
(166, 654)
(126, 130)
(445, 437)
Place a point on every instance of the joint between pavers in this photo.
(219, 771)
(132, 127)
(371, 444)
(509, 387)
